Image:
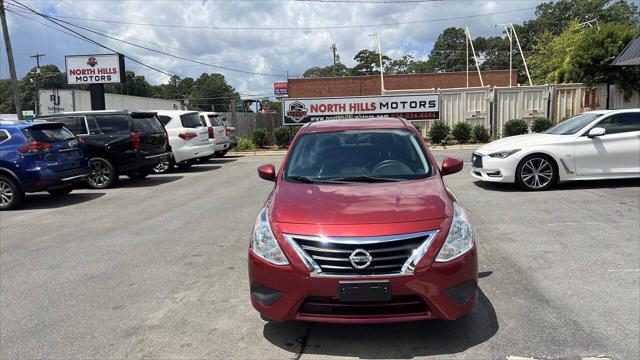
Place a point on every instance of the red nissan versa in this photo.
(360, 228)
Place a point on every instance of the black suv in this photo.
(117, 142)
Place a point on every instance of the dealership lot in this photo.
(157, 269)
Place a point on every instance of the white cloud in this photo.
(272, 52)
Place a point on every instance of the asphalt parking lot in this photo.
(156, 268)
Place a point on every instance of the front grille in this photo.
(335, 256)
(331, 306)
(476, 160)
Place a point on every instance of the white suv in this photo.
(189, 140)
(217, 133)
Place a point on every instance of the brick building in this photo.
(370, 85)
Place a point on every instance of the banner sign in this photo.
(281, 89)
(95, 69)
(409, 107)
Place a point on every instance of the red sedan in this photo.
(360, 228)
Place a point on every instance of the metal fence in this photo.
(490, 106)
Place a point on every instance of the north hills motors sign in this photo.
(95, 69)
(410, 107)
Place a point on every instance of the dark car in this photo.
(37, 156)
(118, 142)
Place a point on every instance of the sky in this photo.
(271, 53)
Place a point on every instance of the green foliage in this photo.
(368, 62)
(540, 124)
(515, 127)
(283, 136)
(271, 105)
(211, 92)
(462, 132)
(480, 134)
(438, 133)
(327, 71)
(259, 137)
(245, 144)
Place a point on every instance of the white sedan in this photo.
(594, 145)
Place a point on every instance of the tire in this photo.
(220, 154)
(164, 166)
(103, 174)
(11, 195)
(537, 172)
(184, 165)
(61, 191)
(137, 175)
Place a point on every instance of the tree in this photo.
(448, 53)
(555, 17)
(368, 62)
(211, 92)
(327, 71)
(584, 54)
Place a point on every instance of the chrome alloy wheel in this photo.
(536, 173)
(6, 194)
(162, 166)
(100, 174)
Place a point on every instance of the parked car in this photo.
(231, 133)
(217, 132)
(360, 228)
(117, 142)
(601, 144)
(38, 156)
(188, 138)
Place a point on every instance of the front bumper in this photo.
(495, 169)
(445, 291)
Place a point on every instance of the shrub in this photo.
(515, 127)
(259, 137)
(283, 136)
(480, 134)
(541, 124)
(245, 144)
(461, 132)
(438, 133)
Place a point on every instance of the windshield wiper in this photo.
(362, 178)
(302, 179)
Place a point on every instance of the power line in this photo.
(93, 41)
(335, 27)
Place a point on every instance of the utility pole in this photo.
(12, 66)
(37, 97)
(334, 49)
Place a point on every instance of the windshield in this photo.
(357, 156)
(573, 125)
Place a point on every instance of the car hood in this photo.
(521, 141)
(354, 204)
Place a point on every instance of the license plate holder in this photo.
(364, 291)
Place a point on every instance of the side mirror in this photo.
(451, 166)
(267, 172)
(596, 131)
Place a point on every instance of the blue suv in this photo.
(37, 156)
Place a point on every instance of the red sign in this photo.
(281, 89)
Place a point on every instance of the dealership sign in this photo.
(281, 89)
(95, 69)
(410, 107)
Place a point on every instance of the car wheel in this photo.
(103, 174)
(536, 172)
(140, 174)
(11, 196)
(61, 191)
(164, 166)
(220, 154)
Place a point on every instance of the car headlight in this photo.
(460, 238)
(504, 154)
(264, 244)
